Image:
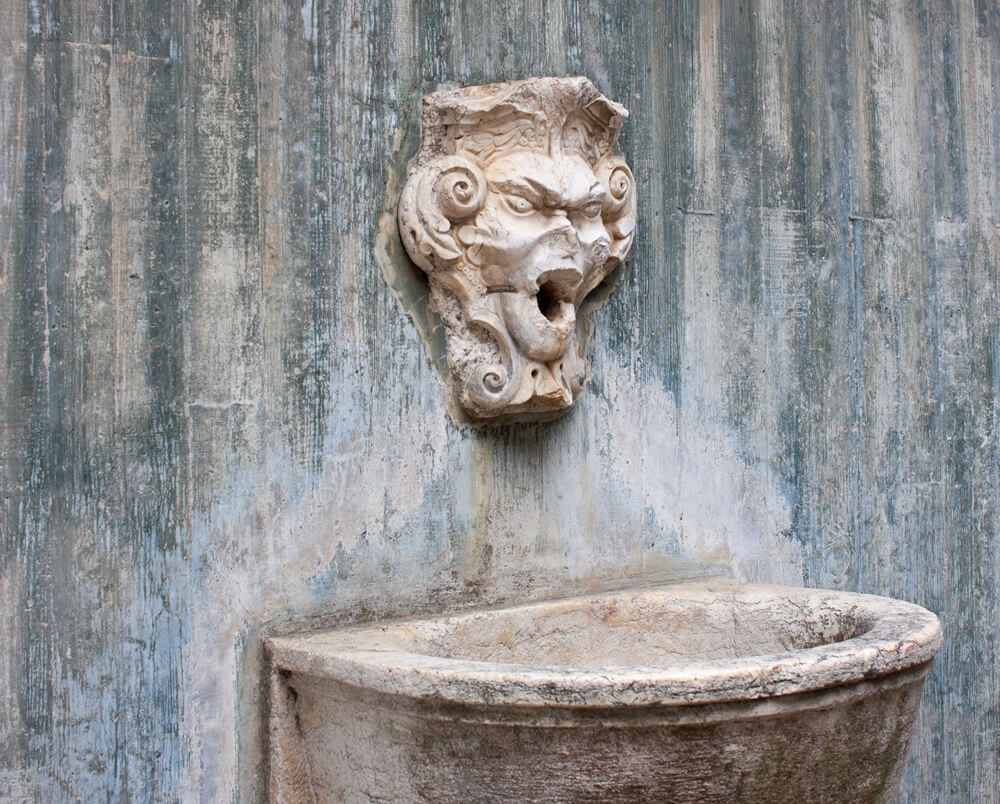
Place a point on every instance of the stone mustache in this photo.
(516, 207)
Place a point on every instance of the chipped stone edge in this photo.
(903, 636)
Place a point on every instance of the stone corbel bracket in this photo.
(516, 207)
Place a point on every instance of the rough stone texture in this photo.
(690, 693)
(517, 208)
(217, 422)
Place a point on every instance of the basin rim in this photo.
(902, 636)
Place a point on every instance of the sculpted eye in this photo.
(593, 209)
(520, 204)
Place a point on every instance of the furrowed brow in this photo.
(595, 192)
(541, 192)
(531, 188)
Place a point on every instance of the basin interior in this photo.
(638, 628)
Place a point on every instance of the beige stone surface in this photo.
(516, 207)
(707, 691)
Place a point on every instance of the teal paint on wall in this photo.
(217, 420)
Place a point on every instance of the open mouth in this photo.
(556, 288)
(549, 300)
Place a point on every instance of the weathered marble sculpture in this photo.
(516, 207)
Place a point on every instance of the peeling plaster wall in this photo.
(218, 420)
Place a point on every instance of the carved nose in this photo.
(562, 231)
(560, 218)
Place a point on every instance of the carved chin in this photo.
(540, 335)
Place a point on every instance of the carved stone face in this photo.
(513, 238)
(539, 234)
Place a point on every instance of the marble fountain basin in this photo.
(712, 691)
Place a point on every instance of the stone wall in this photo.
(219, 418)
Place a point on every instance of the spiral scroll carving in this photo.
(492, 386)
(616, 176)
(460, 188)
(437, 195)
